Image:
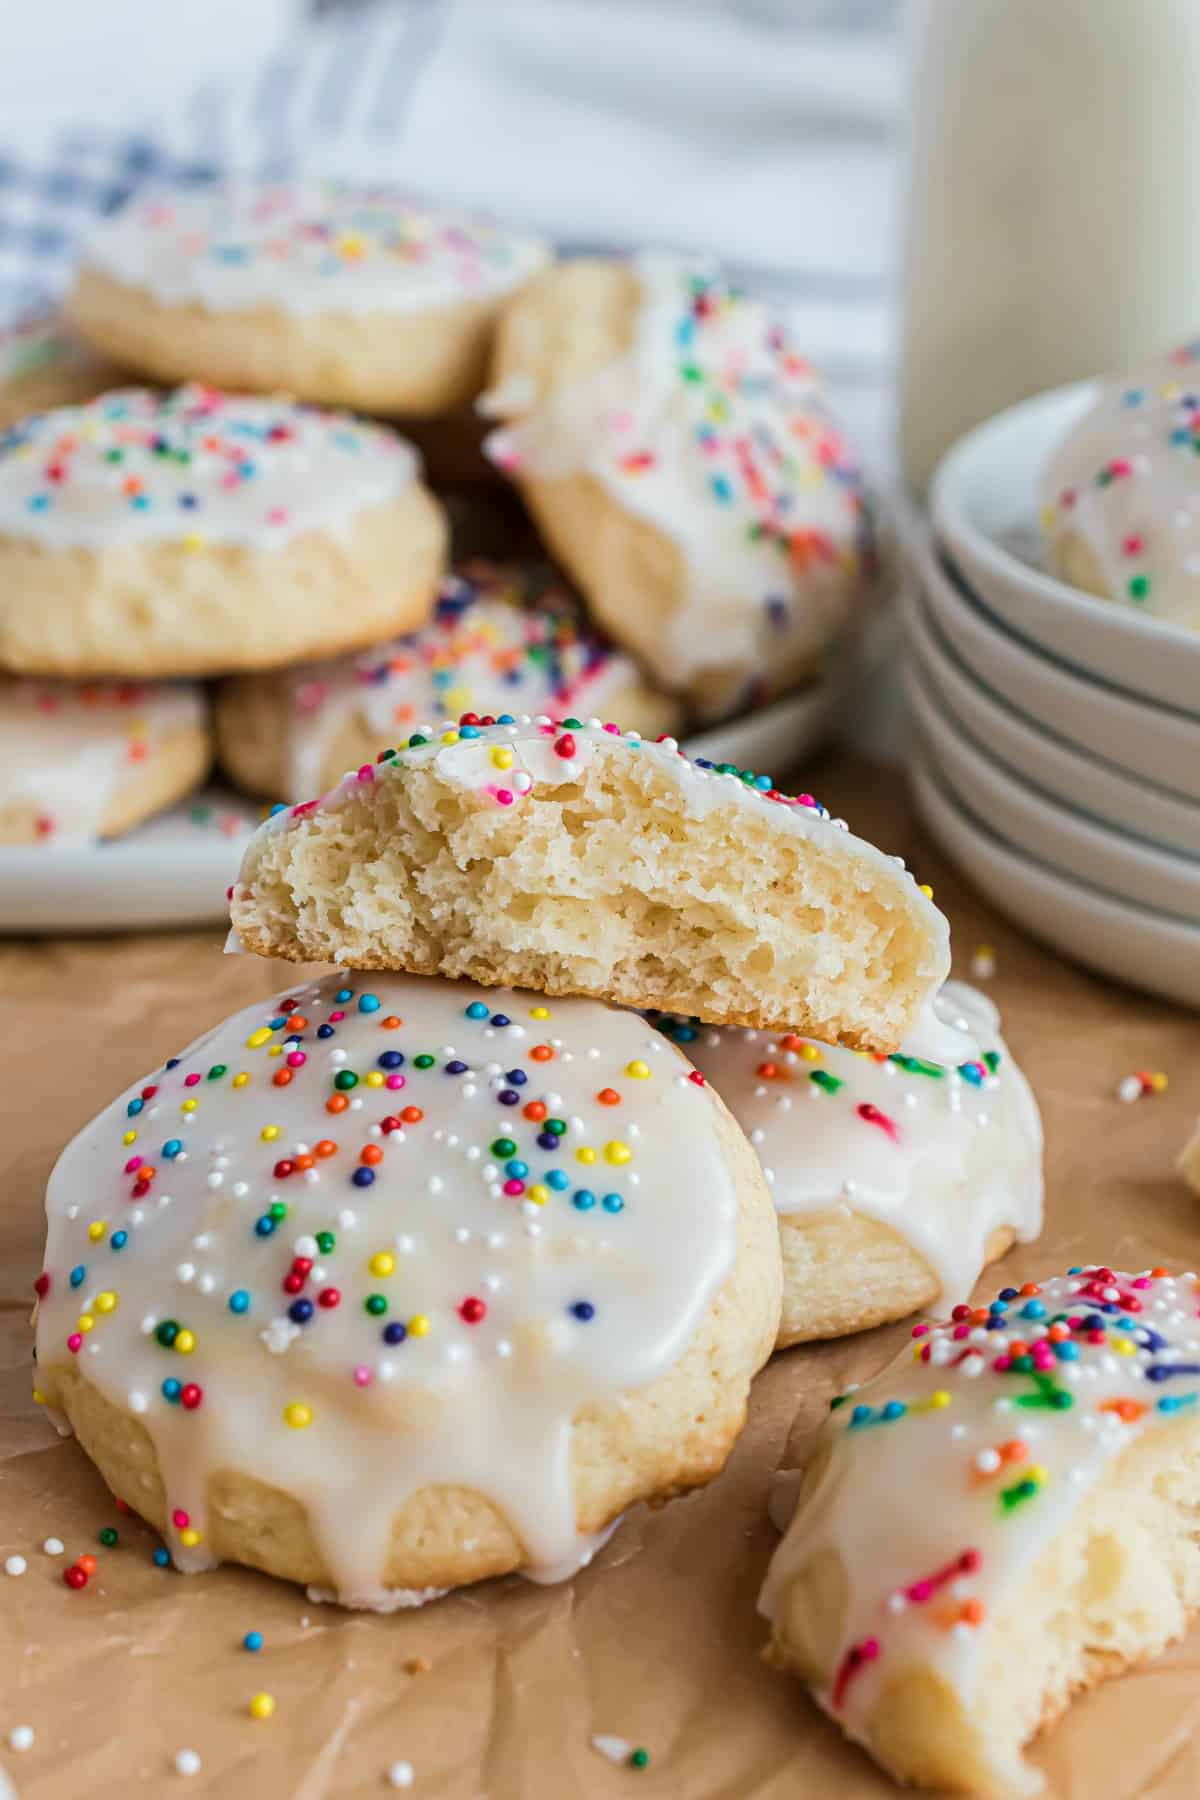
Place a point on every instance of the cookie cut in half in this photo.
(573, 858)
(389, 1285)
(1003, 1517)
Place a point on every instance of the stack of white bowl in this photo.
(1057, 755)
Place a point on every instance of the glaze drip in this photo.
(945, 1154)
(387, 1235)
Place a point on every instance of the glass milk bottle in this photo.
(1054, 202)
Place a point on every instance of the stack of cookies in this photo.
(260, 513)
(432, 1268)
(428, 1271)
(414, 1278)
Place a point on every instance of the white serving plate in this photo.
(1096, 787)
(1155, 743)
(774, 738)
(1131, 943)
(173, 874)
(1036, 824)
(983, 505)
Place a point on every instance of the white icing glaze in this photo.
(1126, 480)
(710, 429)
(311, 247)
(630, 1210)
(482, 653)
(944, 1155)
(945, 1034)
(524, 755)
(192, 467)
(981, 1461)
(66, 749)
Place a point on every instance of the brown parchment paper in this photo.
(497, 1692)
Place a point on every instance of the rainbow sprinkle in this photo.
(191, 467)
(996, 1421)
(306, 245)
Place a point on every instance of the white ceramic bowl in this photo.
(1039, 826)
(983, 505)
(1159, 745)
(1132, 943)
(1094, 786)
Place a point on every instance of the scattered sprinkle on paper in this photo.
(619, 1750)
(616, 1749)
(187, 1762)
(14, 1565)
(983, 963)
(401, 1775)
(1142, 1082)
(21, 1737)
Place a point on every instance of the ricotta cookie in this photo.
(348, 296)
(500, 637)
(79, 763)
(1004, 1516)
(42, 364)
(577, 858)
(895, 1178)
(194, 533)
(682, 466)
(1120, 496)
(394, 1285)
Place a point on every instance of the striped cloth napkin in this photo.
(761, 131)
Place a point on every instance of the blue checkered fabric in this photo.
(49, 199)
(349, 76)
(569, 133)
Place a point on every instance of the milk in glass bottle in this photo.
(1054, 202)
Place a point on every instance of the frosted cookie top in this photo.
(1125, 483)
(66, 749)
(944, 1154)
(714, 430)
(510, 756)
(307, 247)
(505, 758)
(499, 637)
(389, 1208)
(192, 467)
(980, 1443)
